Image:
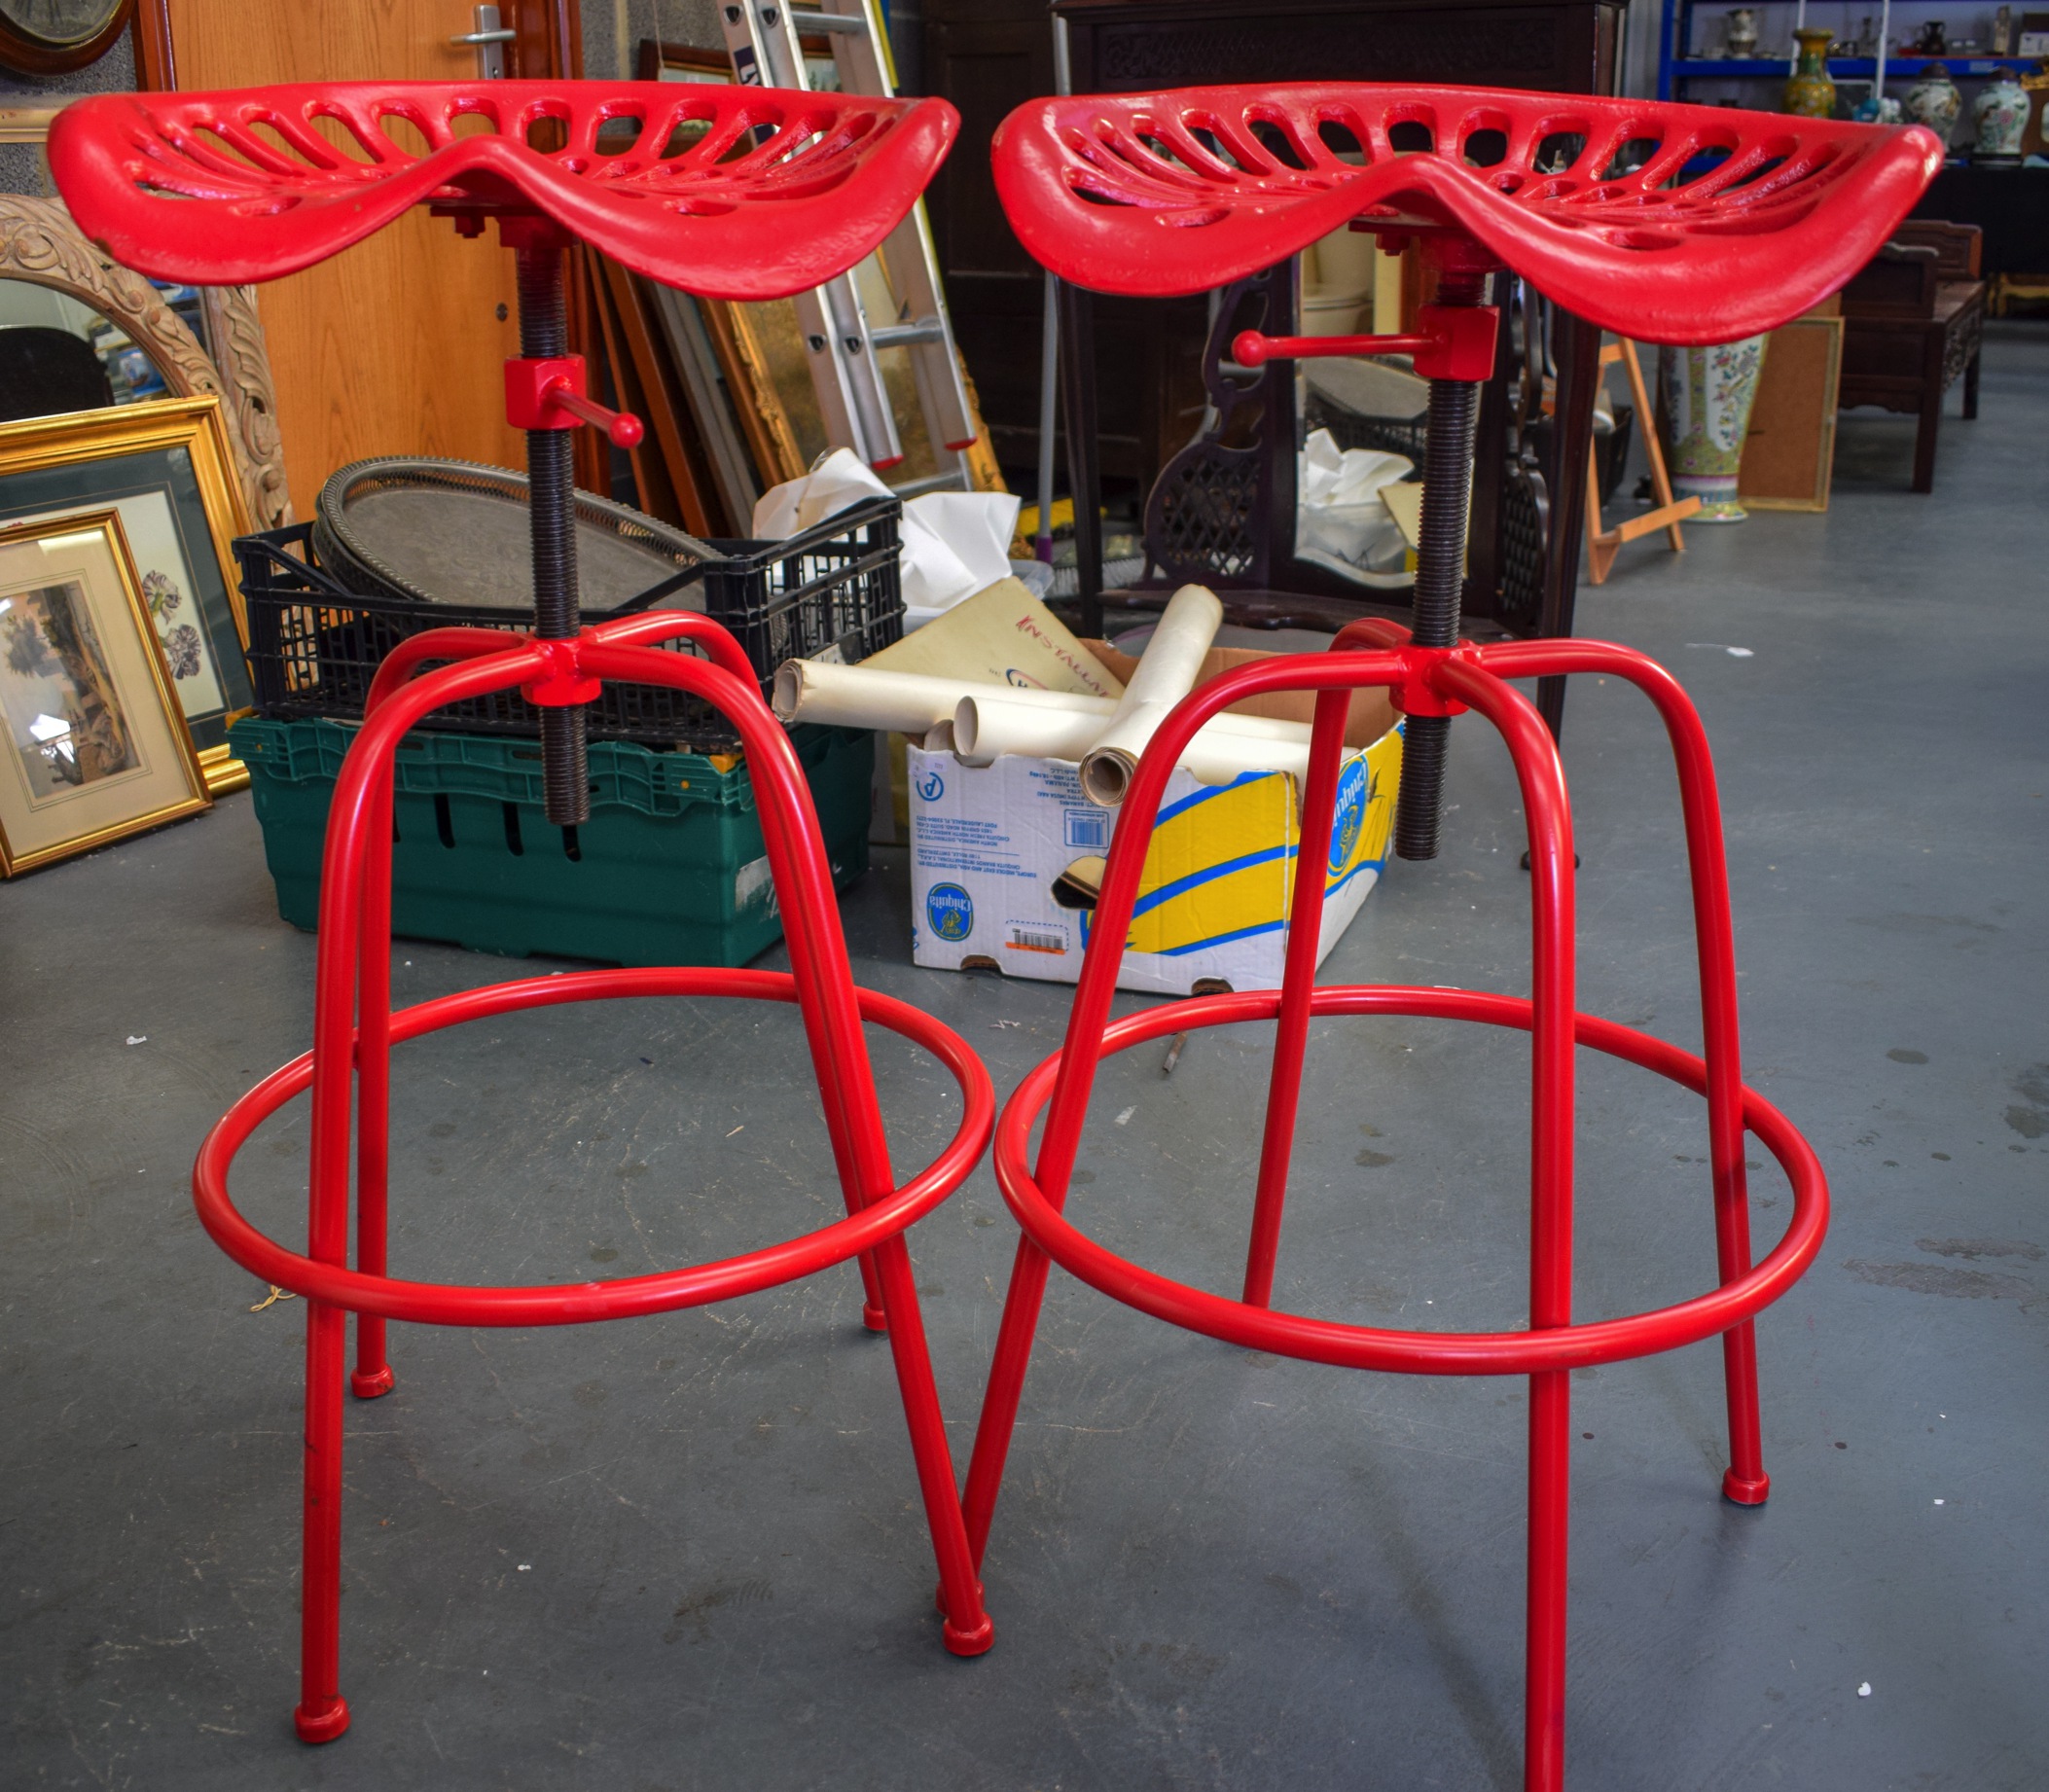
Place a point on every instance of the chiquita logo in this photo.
(1350, 817)
(931, 786)
(950, 910)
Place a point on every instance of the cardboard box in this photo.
(1005, 860)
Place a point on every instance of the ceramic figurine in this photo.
(2002, 32)
(1874, 109)
(1740, 39)
(2001, 116)
(1934, 101)
(1707, 396)
(1810, 92)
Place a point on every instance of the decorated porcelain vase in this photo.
(1706, 397)
(2001, 116)
(1811, 92)
(1934, 101)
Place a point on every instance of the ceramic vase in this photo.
(1739, 37)
(1811, 92)
(1707, 395)
(2002, 118)
(1934, 101)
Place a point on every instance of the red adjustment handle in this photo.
(1451, 343)
(547, 393)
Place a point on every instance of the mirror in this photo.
(59, 354)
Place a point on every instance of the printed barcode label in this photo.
(1037, 940)
(1088, 829)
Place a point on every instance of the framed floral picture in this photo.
(168, 469)
(96, 748)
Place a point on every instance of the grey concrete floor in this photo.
(684, 1553)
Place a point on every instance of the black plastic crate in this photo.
(314, 645)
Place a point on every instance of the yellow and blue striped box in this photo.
(1005, 860)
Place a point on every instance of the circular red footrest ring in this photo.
(576, 1303)
(1361, 1346)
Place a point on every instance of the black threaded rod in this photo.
(1440, 577)
(565, 776)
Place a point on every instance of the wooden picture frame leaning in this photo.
(95, 748)
(38, 242)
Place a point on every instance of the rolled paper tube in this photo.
(1165, 675)
(989, 724)
(899, 702)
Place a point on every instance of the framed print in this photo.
(96, 749)
(166, 468)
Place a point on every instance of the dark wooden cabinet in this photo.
(988, 56)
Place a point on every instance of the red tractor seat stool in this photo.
(1678, 223)
(729, 191)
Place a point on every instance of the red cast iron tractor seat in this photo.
(1665, 223)
(730, 191)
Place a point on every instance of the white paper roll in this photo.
(989, 724)
(856, 697)
(1165, 675)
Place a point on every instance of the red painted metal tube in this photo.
(1745, 1481)
(1298, 982)
(1090, 1014)
(1553, 962)
(628, 1297)
(1582, 1345)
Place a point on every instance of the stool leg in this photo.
(853, 1120)
(1745, 1481)
(372, 1374)
(322, 1713)
(1553, 954)
(968, 1628)
(1544, 1645)
(1006, 1390)
(1298, 984)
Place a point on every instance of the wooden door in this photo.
(396, 345)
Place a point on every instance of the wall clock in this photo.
(54, 37)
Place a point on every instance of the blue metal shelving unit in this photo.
(1675, 69)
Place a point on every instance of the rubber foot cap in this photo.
(873, 1317)
(969, 1642)
(1740, 1492)
(370, 1386)
(328, 1724)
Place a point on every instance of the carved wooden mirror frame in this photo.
(38, 242)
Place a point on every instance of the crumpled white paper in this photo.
(955, 543)
(1338, 503)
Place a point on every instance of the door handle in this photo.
(489, 39)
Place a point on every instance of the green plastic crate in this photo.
(669, 869)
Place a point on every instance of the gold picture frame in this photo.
(168, 466)
(96, 748)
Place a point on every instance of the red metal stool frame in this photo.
(744, 193)
(1676, 224)
(354, 1029)
(1422, 680)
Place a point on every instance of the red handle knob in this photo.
(623, 428)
